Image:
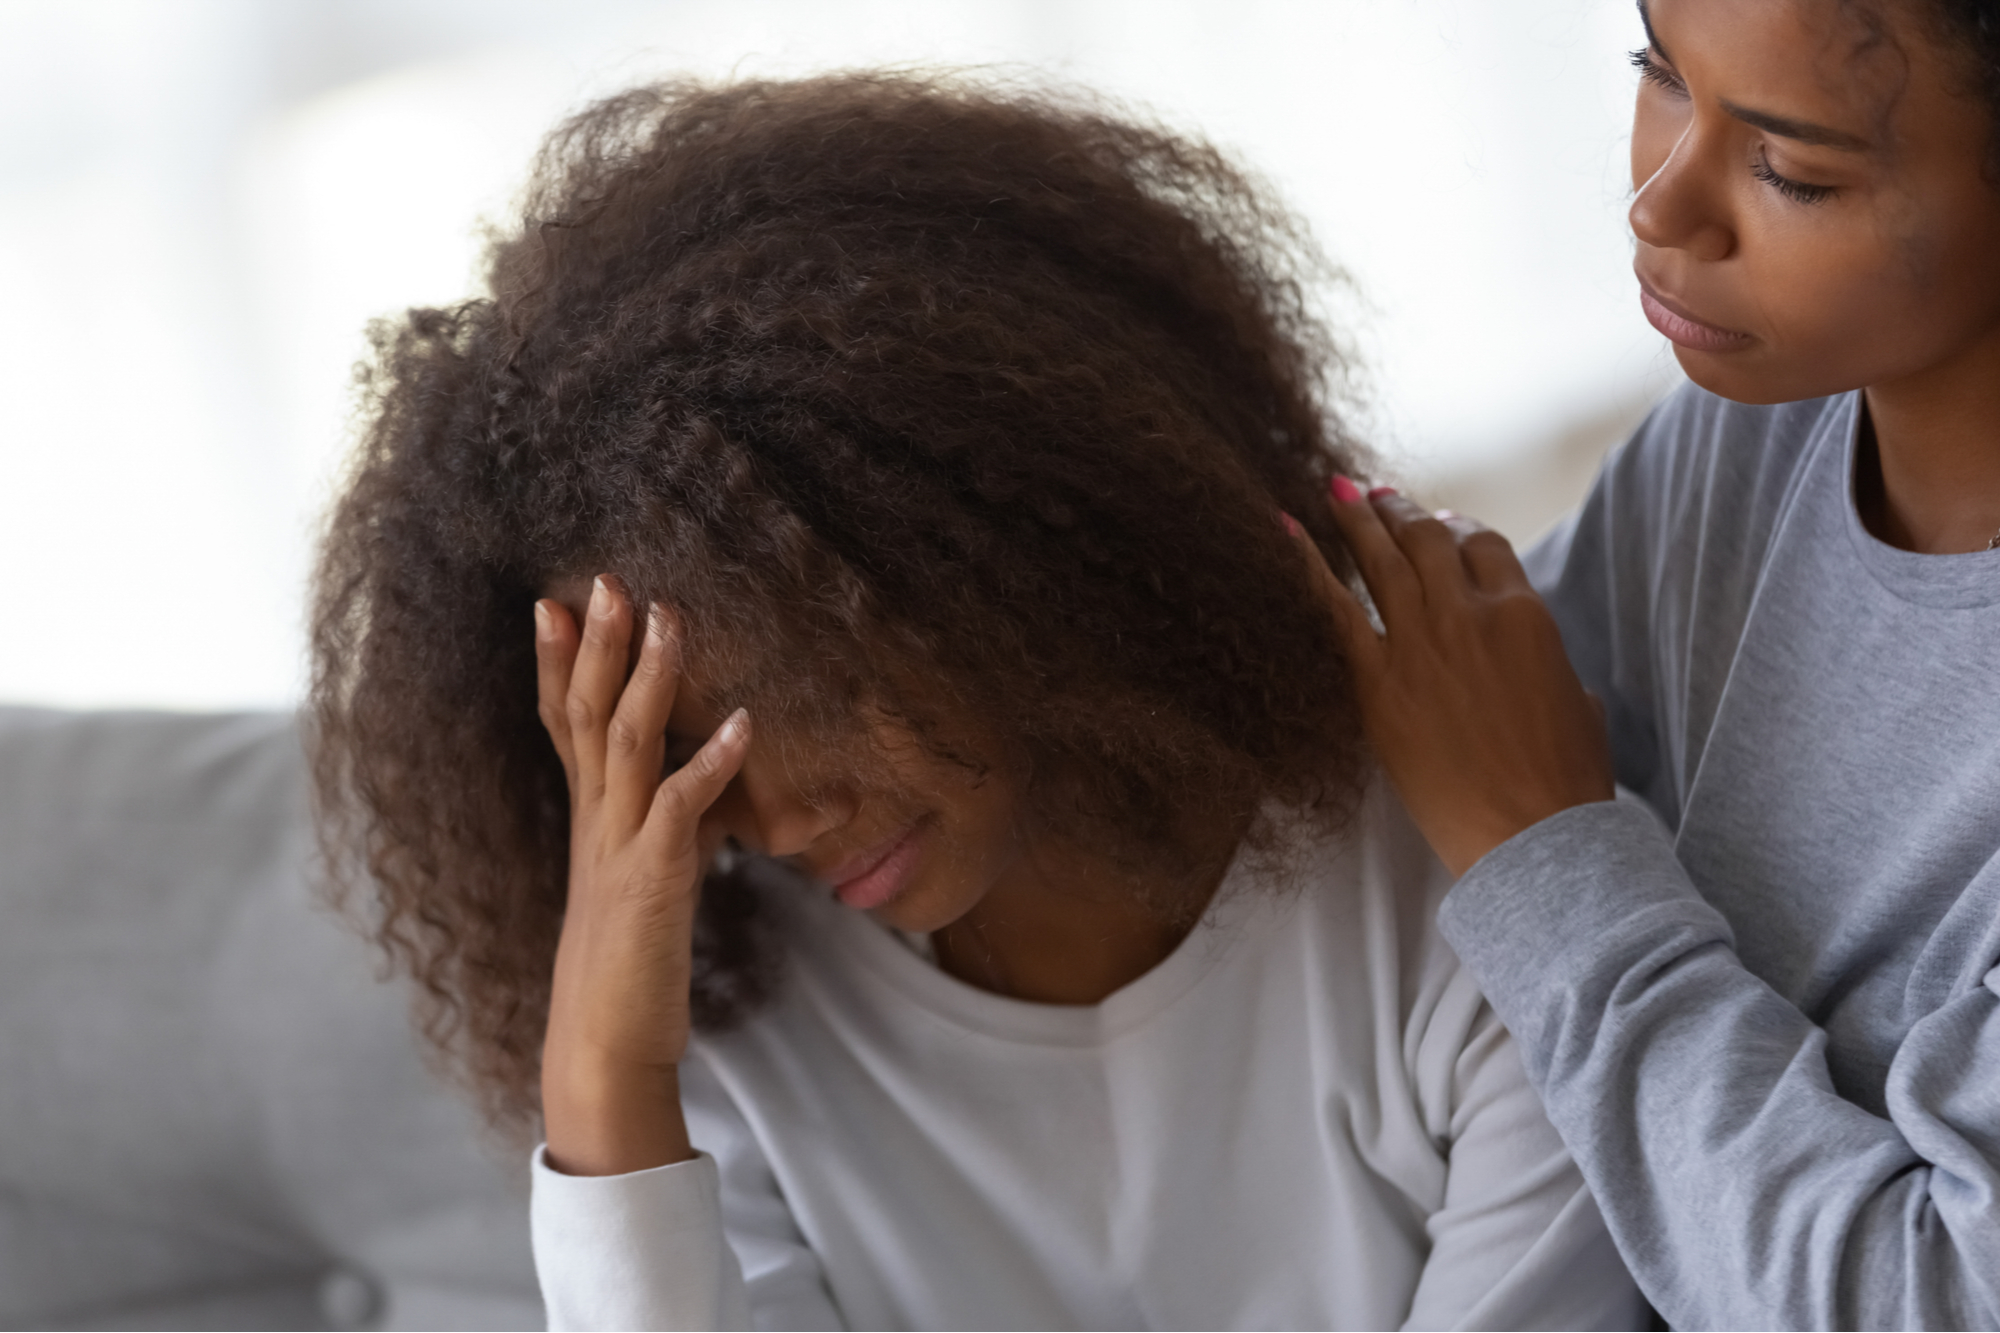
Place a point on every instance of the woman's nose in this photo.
(1683, 204)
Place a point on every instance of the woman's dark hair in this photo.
(1973, 27)
(909, 394)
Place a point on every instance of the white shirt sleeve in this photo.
(1519, 1242)
(644, 1250)
(706, 1244)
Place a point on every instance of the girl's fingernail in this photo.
(545, 624)
(1344, 490)
(1377, 492)
(600, 597)
(1291, 524)
(1446, 515)
(732, 730)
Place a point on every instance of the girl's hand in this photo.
(618, 1013)
(1468, 696)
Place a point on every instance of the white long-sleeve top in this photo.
(1306, 1116)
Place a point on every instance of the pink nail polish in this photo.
(1345, 491)
(1377, 492)
(1291, 524)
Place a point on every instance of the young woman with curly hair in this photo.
(819, 682)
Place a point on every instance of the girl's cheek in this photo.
(733, 816)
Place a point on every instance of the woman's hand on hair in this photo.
(1468, 696)
(619, 1012)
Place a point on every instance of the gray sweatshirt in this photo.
(1767, 1022)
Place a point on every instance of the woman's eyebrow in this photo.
(1802, 131)
(1784, 127)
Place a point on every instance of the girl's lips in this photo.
(881, 875)
(1684, 330)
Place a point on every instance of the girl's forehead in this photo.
(716, 674)
(573, 594)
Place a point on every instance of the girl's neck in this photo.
(1930, 483)
(1068, 932)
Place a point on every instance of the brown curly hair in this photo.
(877, 379)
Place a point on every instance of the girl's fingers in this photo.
(1391, 579)
(635, 743)
(595, 683)
(555, 658)
(674, 822)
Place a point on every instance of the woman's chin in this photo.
(1756, 380)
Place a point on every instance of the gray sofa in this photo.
(212, 1112)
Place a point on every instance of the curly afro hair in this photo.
(878, 379)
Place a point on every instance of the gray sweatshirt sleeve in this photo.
(1743, 1188)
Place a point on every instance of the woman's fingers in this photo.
(1357, 631)
(1437, 557)
(1489, 557)
(1431, 548)
(594, 685)
(674, 822)
(1392, 581)
(555, 658)
(635, 743)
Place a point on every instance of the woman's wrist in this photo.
(610, 1121)
(1463, 839)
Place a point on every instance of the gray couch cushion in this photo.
(212, 1112)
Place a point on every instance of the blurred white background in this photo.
(202, 202)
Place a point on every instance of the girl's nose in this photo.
(789, 820)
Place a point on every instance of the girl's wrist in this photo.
(601, 1120)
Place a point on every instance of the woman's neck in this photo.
(1068, 930)
(1931, 483)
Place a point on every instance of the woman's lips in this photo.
(880, 875)
(1685, 330)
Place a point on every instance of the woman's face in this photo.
(1812, 213)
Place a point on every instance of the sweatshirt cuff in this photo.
(1558, 912)
(640, 1250)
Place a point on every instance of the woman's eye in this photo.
(1653, 72)
(1797, 191)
